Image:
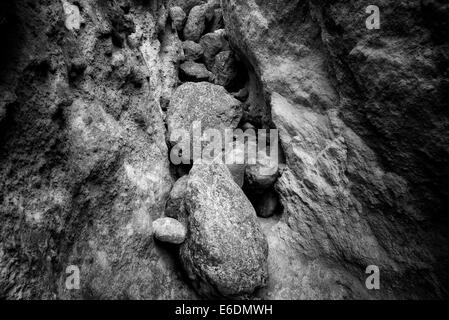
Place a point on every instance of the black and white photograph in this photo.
(240, 152)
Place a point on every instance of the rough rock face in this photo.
(205, 102)
(178, 17)
(225, 252)
(196, 22)
(362, 124)
(83, 160)
(196, 72)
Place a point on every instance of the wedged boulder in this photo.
(205, 102)
(225, 254)
(224, 69)
(178, 18)
(192, 50)
(196, 72)
(196, 22)
(213, 43)
(169, 230)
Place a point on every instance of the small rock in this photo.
(192, 50)
(187, 5)
(195, 72)
(162, 19)
(175, 205)
(196, 22)
(224, 69)
(178, 18)
(225, 254)
(73, 17)
(248, 126)
(217, 21)
(236, 153)
(213, 43)
(118, 59)
(169, 230)
(134, 40)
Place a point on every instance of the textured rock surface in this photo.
(91, 90)
(169, 230)
(213, 43)
(175, 205)
(83, 160)
(196, 22)
(225, 252)
(192, 50)
(365, 143)
(205, 102)
(178, 18)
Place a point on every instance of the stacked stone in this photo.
(207, 53)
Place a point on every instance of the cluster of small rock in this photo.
(209, 214)
(207, 54)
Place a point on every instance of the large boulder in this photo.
(225, 254)
(205, 102)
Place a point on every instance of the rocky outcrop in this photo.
(343, 97)
(225, 252)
